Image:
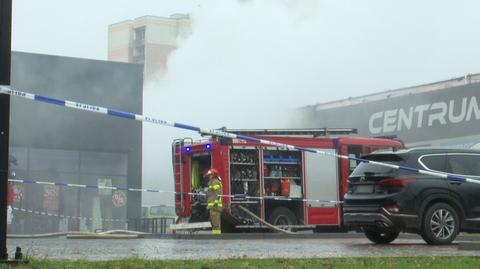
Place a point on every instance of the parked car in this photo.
(158, 211)
(383, 201)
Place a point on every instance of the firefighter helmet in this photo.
(212, 172)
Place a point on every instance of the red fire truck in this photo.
(250, 169)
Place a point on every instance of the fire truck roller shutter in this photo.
(322, 183)
(322, 177)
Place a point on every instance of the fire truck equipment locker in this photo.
(320, 170)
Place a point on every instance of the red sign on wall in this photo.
(119, 198)
(17, 193)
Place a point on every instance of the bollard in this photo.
(18, 253)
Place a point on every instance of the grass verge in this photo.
(347, 263)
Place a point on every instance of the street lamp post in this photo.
(5, 64)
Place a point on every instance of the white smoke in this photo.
(244, 58)
(248, 64)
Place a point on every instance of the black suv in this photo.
(384, 201)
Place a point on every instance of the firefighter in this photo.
(214, 200)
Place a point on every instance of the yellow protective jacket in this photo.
(215, 189)
(195, 176)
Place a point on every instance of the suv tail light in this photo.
(392, 208)
(401, 182)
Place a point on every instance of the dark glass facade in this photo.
(52, 143)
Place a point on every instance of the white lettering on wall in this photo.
(404, 119)
(441, 108)
(371, 123)
(438, 113)
(390, 120)
(420, 109)
(473, 108)
(456, 119)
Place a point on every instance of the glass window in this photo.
(139, 51)
(353, 163)
(139, 33)
(367, 169)
(354, 151)
(100, 163)
(19, 158)
(433, 162)
(162, 211)
(464, 164)
(53, 160)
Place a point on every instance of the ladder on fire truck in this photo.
(177, 161)
(313, 132)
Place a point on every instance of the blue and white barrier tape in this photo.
(132, 116)
(41, 213)
(236, 196)
(84, 186)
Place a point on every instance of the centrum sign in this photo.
(441, 116)
(442, 113)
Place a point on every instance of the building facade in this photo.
(52, 143)
(148, 40)
(445, 113)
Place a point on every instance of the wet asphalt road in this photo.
(329, 246)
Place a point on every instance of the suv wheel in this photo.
(440, 224)
(380, 236)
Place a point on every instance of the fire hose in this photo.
(273, 227)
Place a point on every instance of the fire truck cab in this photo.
(261, 177)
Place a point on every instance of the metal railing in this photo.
(151, 225)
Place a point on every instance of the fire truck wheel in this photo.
(282, 216)
(228, 228)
